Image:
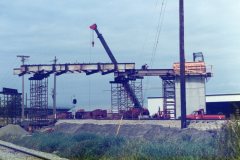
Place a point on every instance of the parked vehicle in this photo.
(134, 113)
(163, 115)
(95, 114)
(200, 114)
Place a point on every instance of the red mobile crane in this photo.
(120, 79)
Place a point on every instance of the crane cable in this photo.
(93, 38)
(90, 60)
(158, 32)
(157, 35)
(148, 33)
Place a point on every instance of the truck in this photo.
(200, 114)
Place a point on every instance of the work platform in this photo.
(121, 69)
(146, 72)
(88, 68)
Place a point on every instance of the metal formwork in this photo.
(10, 105)
(120, 100)
(169, 97)
(38, 99)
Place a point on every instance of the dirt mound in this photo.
(12, 130)
(145, 131)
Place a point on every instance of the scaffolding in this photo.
(169, 97)
(10, 106)
(138, 90)
(38, 99)
(120, 99)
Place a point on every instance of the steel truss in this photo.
(138, 90)
(38, 99)
(120, 100)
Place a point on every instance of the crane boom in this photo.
(102, 40)
(120, 79)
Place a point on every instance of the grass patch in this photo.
(229, 141)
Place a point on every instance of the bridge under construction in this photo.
(121, 99)
(126, 87)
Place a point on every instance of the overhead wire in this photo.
(148, 33)
(156, 3)
(158, 32)
(157, 35)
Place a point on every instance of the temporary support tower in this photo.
(120, 99)
(169, 97)
(10, 105)
(38, 99)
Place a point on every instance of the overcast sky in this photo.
(43, 29)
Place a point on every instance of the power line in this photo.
(157, 35)
(158, 32)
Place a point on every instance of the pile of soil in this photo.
(146, 131)
(12, 130)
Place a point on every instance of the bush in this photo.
(229, 141)
(79, 146)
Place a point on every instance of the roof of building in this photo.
(223, 98)
(234, 97)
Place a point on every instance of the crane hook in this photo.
(92, 39)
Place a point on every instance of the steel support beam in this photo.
(80, 67)
(147, 72)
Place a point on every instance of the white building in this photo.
(228, 104)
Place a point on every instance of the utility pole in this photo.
(54, 89)
(23, 59)
(182, 65)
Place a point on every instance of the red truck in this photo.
(201, 115)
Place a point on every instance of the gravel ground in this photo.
(13, 130)
(197, 124)
(147, 129)
(8, 154)
(207, 125)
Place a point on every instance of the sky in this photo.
(43, 29)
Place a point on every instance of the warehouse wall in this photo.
(154, 103)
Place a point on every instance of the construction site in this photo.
(126, 90)
(182, 112)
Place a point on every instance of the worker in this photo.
(145, 66)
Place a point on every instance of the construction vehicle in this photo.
(163, 115)
(136, 113)
(95, 114)
(121, 79)
(200, 114)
